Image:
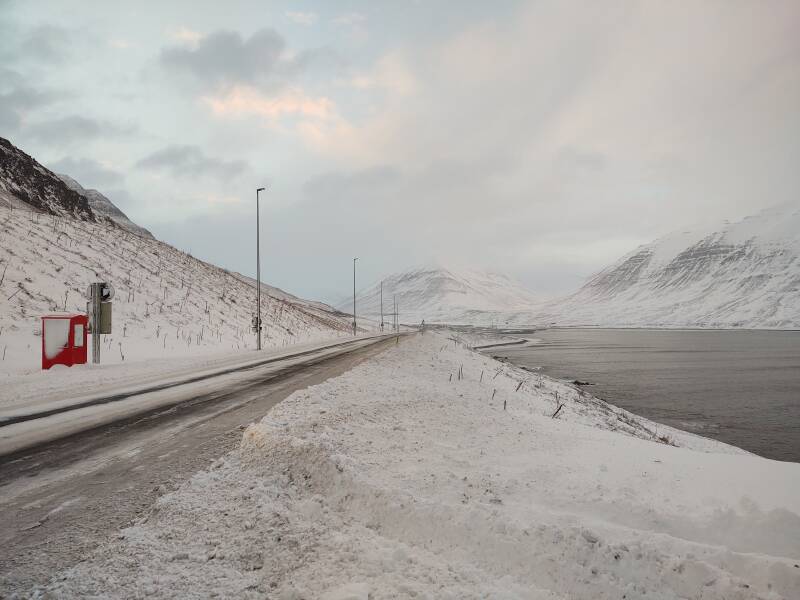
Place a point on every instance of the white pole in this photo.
(258, 272)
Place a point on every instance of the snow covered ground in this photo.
(53, 404)
(433, 471)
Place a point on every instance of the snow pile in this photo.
(167, 302)
(406, 477)
(745, 274)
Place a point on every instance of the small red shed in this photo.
(64, 339)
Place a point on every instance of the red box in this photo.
(64, 338)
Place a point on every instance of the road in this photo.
(61, 499)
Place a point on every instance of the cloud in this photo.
(302, 18)
(352, 19)
(390, 73)
(245, 101)
(120, 43)
(17, 102)
(74, 128)
(225, 58)
(46, 43)
(191, 161)
(86, 171)
(186, 35)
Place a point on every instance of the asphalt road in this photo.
(60, 500)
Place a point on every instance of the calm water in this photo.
(740, 387)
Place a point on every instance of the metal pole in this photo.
(354, 295)
(381, 304)
(96, 323)
(258, 271)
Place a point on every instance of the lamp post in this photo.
(258, 272)
(354, 295)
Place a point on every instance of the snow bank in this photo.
(405, 478)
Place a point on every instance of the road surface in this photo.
(61, 499)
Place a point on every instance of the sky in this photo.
(539, 139)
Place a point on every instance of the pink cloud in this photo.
(247, 101)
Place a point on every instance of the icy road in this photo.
(61, 497)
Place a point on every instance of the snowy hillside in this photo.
(745, 274)
(167, 303)
(57, 237)
(441, 295)
(103, 206)
(24, 183)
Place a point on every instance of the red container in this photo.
(64, 339)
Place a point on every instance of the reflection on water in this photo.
(740, 387)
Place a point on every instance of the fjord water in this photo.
(739, 387)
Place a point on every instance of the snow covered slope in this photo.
(167, 303)
(745, 274)
(24, 183)
(441, 295)
(57, 237)
(103, 206)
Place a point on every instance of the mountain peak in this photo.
(101, 205)
(740, 274)
(438, 293)
(26, 183)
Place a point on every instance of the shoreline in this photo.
(658, 389)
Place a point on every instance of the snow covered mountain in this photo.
(441, 295)
(744, 274)
(103, 206)
(24, 183)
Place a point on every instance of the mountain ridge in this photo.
(442, 294)
(101, 205)
(744, 274)
(26, 182)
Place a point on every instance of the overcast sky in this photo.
(539, 139)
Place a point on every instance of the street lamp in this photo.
(258, 272)
(354, 295)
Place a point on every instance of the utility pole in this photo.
(394, 312)
(354, 295)
(381, 305)
(258, 272)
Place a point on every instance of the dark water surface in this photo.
(740, 387)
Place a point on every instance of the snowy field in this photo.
(405, 479)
